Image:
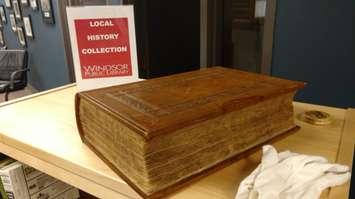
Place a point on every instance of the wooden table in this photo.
(40, 131)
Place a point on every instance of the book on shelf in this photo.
(2, 191)
(57, 189)
(72, 193)
(4, 160)
(24, 182)
(14, 182)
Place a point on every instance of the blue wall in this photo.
(115, 2)
(47, 54)
(314, 42)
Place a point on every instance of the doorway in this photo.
(239, 34)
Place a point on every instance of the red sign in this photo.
(104, 49)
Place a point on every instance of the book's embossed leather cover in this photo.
(164, 104)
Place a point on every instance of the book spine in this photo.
(30, 172)
(70, 194)
(2, 191)
(52, 191)
(14, 182)
(39, 183)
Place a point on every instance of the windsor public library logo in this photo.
(104, 49)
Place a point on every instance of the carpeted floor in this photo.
(17, 94)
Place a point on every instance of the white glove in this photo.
(290, 175)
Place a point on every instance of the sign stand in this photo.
(103, 45)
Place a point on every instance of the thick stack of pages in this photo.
(160, 133)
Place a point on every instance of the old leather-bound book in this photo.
(160, 133)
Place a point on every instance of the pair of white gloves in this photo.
(288, 175)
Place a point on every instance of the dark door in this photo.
(243, 29)
(168, 36)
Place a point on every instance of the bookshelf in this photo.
(40, 131)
